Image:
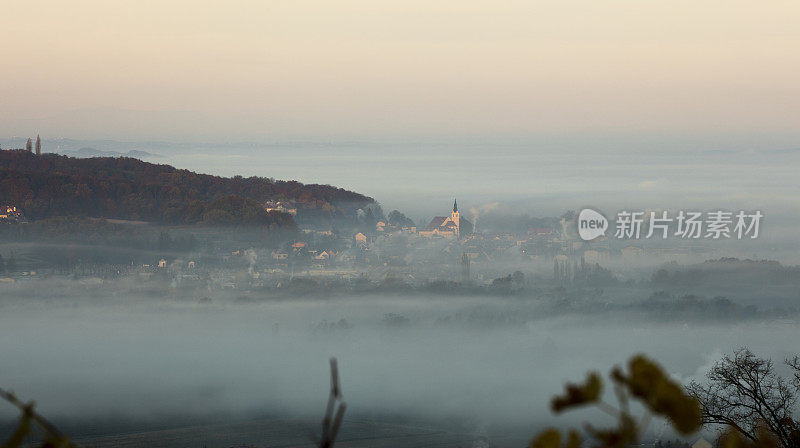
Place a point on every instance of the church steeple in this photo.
(456, 217)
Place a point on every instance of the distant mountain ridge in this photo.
(92, 152)
(127, 188)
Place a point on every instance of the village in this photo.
(387, 253)
(370, 246)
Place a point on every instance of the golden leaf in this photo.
(648, 382)
(579, 394)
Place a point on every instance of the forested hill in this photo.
(125, 188)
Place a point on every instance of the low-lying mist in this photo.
(491, 361)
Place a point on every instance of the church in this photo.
(453, 226)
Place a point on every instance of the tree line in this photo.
(125, 188)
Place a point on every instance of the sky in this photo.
(257, 70)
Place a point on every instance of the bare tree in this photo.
(794, 363)
(745, 393)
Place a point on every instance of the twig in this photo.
(331, 422)
(27, 409)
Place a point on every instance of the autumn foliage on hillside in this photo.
(124, 188)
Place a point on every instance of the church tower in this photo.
(456, 217)
(38, 145)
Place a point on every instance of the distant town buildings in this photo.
(10, 213)
(453, 226)
(360, 238)
(283, 207)
(392, 246)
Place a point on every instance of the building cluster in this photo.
(448, 249)
(453, 226)
(11, 214)
(280, 206)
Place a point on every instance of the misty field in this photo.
(487, 364)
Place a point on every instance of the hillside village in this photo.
(384, 252)
(355, 242)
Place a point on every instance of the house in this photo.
(322, 258)
(277, 206)
(324, 255)
(453, 226)
(360, 238)
(10, 213)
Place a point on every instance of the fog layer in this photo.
(488, 360)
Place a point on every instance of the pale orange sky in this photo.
(189, 70)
